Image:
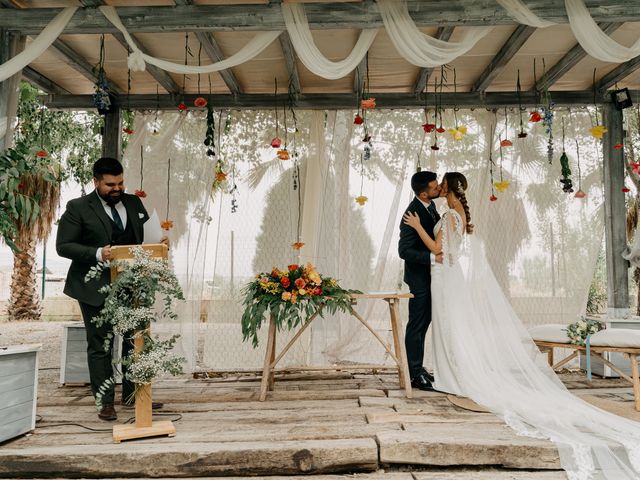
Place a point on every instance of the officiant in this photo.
(87, 230)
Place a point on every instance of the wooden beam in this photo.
(214, 53)
(444, 34)
(268, 17)
(570, 60)
(517, 39)
(160, 76)
(290, 60)
(111, 132)
(358, 77)
(617, 74)
(615, 214)
(339, 101)
(42, 82)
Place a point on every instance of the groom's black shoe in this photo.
(428, 375)
(421, 382)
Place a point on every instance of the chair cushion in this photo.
(551, 332)
(616, 337)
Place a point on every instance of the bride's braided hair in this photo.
(457, 183)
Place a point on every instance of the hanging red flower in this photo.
(140, 193)
(358, 120)
(42, 154)
(200, 102)
(276, 142)
(635, 168)
(128, 131)
(506, 143)
(618, 146)
(535, 116)
(182, 107)
(493, 198)
(440, 130)
(626, 189)
(429, 127)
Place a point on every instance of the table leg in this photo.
(401, 352)
(267, 374)
(636, 382)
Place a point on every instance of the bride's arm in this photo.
(413, 220)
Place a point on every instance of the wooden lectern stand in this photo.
(144, 426)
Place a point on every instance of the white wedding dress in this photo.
(481, 350)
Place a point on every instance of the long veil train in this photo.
(496, 364)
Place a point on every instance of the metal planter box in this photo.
(18, 390)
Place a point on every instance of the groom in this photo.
(417, 273)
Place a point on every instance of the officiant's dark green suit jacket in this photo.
(83, 228)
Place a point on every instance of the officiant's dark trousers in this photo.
(419, 321)
(99, 360)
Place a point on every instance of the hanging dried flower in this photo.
(221, 176)
(635, 168)
(493, 198)
(535, 117)
(435, 147)
(166, 225)
(502, 185)
(458, 133)
(429, 127)
(522, 135)
(128, 131)
(297, 246)
(580, 194)
(598, 131)
(182, 107)
(276, 142)
(200, 102)
(140, 193)
(626, 189)
(361, 200)
(42, 154)
(506, 143)
(618, 146)
(440, 130)
(358, 120)
(368, 103)
(283, 154)
(366, 138)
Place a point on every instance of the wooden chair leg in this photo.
(550, 356)
(267, 373)
(636, 382)
(401, 351)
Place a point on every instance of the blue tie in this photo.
(116, 218)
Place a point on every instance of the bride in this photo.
(481, 350)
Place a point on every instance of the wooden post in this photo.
(267, 372)
(111, 134)
(401, 352)
(10, 45)
(633, 358)
(615, 215)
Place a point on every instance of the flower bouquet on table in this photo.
(291, 297)
(578, 331)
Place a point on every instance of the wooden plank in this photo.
(359, 76)
(268, 17)
(290, 61)
(111, 141)
(444, 34)
(339, 101)
(517, 39)
(133, 432)
(42, 82)
(618, 74)
(570, 60)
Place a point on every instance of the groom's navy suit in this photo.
(417, 274)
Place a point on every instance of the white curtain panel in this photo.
(594, 41)
(137, 59)
(39, 44)
(521, 14)
(298, 27)
(418, 48)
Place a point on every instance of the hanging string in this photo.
(579, 168)
(594, 96)
(275, 102)
(141, 166)
(199, 64)
(455, 108)
(519, 93)
(155, 120)
(492, 132)
(186, 54)
(168, 186)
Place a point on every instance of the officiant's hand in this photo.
(439, 257)
(165, 240)
(106, 253)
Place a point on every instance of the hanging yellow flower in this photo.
(361, 200)
(598, 131)
(501, 186)
(458, 133)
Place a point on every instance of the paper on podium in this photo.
(152, 230)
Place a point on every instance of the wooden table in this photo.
(399, 355)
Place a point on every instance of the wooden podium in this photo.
(144, 425)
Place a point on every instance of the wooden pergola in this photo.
(218, 28)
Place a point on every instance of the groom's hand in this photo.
(439, 257)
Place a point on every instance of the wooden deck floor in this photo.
(318, 424)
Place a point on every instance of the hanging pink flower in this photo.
(635, 167)
(358, 120)
(580, 194)
(276, 142)
(429, 127)
(506, 143)
(200, 102)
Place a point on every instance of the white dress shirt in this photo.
(123, 216)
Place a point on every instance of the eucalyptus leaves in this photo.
(578, 331)
(129, 310)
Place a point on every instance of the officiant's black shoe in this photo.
(421, 382)
(108, 413)
(428, 375)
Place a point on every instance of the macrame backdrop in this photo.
(542, 243)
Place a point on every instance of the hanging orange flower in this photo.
(276, 142)
(535, 117)
(182, 107)
(361, 200)
(166, 225)
(368, 103)
(580, 194)
(283, 154)
(493, 198)
(140, 193)
(42, 154)
(297, 245)
(200, 102)
(128, 131)
(506, 143)
(221, 176)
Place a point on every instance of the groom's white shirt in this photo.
(431, 255)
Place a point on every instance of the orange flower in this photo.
(221, 176)
(286, 296)
(285, 282)
(580, 194)
(283, 154)
(128, 131)
(368, 103)
(42, 154)
(200, 102)
(292, 267)
(140, 193)
(166, 225)
(300, 283)
(506, 143)
(297, 245)
(276, 142)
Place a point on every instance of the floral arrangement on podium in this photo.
(129, 310)
(291, 297)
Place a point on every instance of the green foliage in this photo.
(291, 297)
(597, 299)
(580, 330)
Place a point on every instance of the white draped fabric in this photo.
(43, 41)
(521, 13)
(594, 41)
(418, 48)
(298, 27)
